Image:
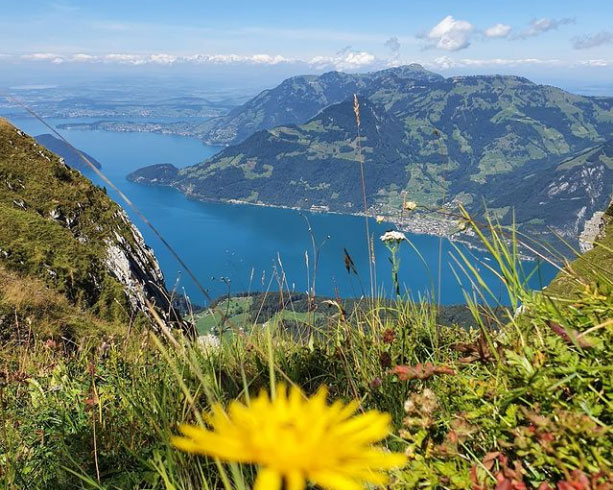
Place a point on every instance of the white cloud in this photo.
(160, 58)
(53, 58)
(446, 63)
(596, 63)
(266, 59)
(498, 30)
(344, 60)
(223, 59)
(128, 59)
(540, 26)
(215, 58)
(450, 34)
(593, 40)
(82, 57)
(163, 59)
(359, 59)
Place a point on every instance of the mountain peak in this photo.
(298, 99)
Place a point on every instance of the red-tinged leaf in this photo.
(489, 458)
(504, 484)
(564, 485)
(571, 336)
(544, 486)
(420, 371)
(91, 401)
(479, 350)
(389, 335)
(547, 437)
(385, 359)
(579, 481)
(476, 485)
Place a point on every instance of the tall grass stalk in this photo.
(369, 239)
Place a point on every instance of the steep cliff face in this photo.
(58, 228)
(134, 265)
(559, 196)
(593, 227)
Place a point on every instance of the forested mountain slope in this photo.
(500, 142)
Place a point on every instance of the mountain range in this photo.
(297, 100)
(526, 152)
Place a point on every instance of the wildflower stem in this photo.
(356, 109)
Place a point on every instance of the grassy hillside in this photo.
(520, 399)
(297, 312)
(59, 231)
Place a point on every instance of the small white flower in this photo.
(209, 343)
(409, 406)
(393, 236)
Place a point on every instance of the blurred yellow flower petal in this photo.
(335, 481)
(295, 481)
(268, 479)
(295, 439)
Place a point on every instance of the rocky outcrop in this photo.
(57, 227)
(134, 265)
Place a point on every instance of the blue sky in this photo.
(543, 39)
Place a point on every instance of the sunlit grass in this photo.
(463, 402)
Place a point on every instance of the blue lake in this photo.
(241, 248)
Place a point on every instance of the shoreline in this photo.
(460, 237)
(417, 223)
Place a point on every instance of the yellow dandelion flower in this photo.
(295, 439)
(409, 205)
(380, 219)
